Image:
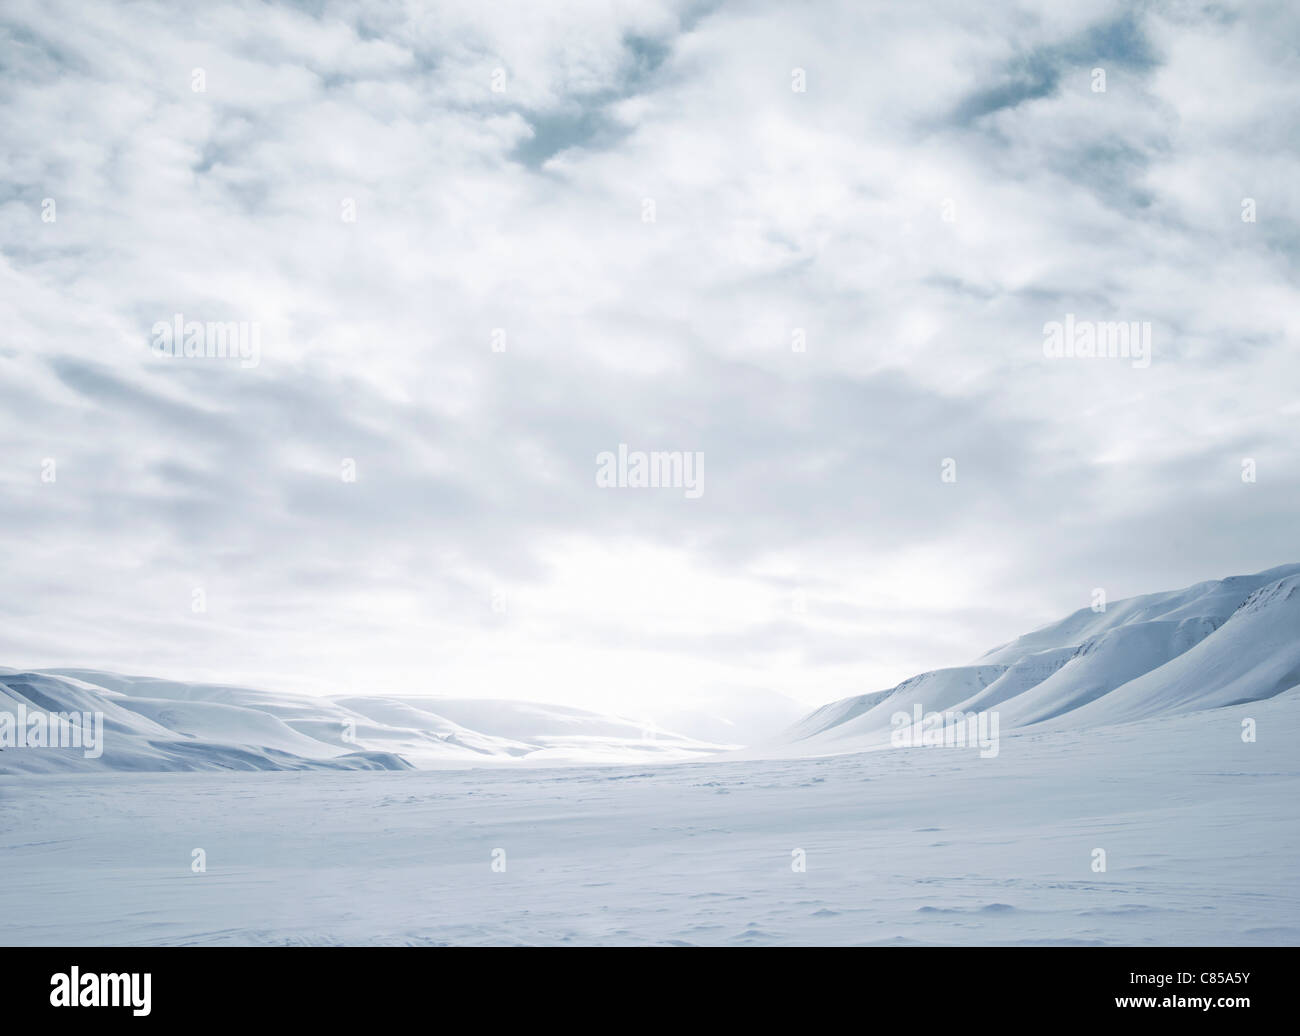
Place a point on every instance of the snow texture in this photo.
(1161, 732)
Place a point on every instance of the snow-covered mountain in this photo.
(152, 724)
(1217, 643)
(1213, 644)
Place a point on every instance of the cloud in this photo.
(646, 236)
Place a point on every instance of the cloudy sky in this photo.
(817, 243)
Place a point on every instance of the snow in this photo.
(902, 847)
(166, 725)
(1215, 599)
(1214, 644)
(1161, 730)
(1254, 655)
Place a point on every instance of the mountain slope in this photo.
(1253, 656)
(151, 724)
(868, 716)
(1100, 665)
(1213, 599)
(1217, 643)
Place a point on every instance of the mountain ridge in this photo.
(1238, 640)
(1213, 644)
(152, 724)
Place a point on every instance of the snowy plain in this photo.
(1201, 832)
(1162, 733)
